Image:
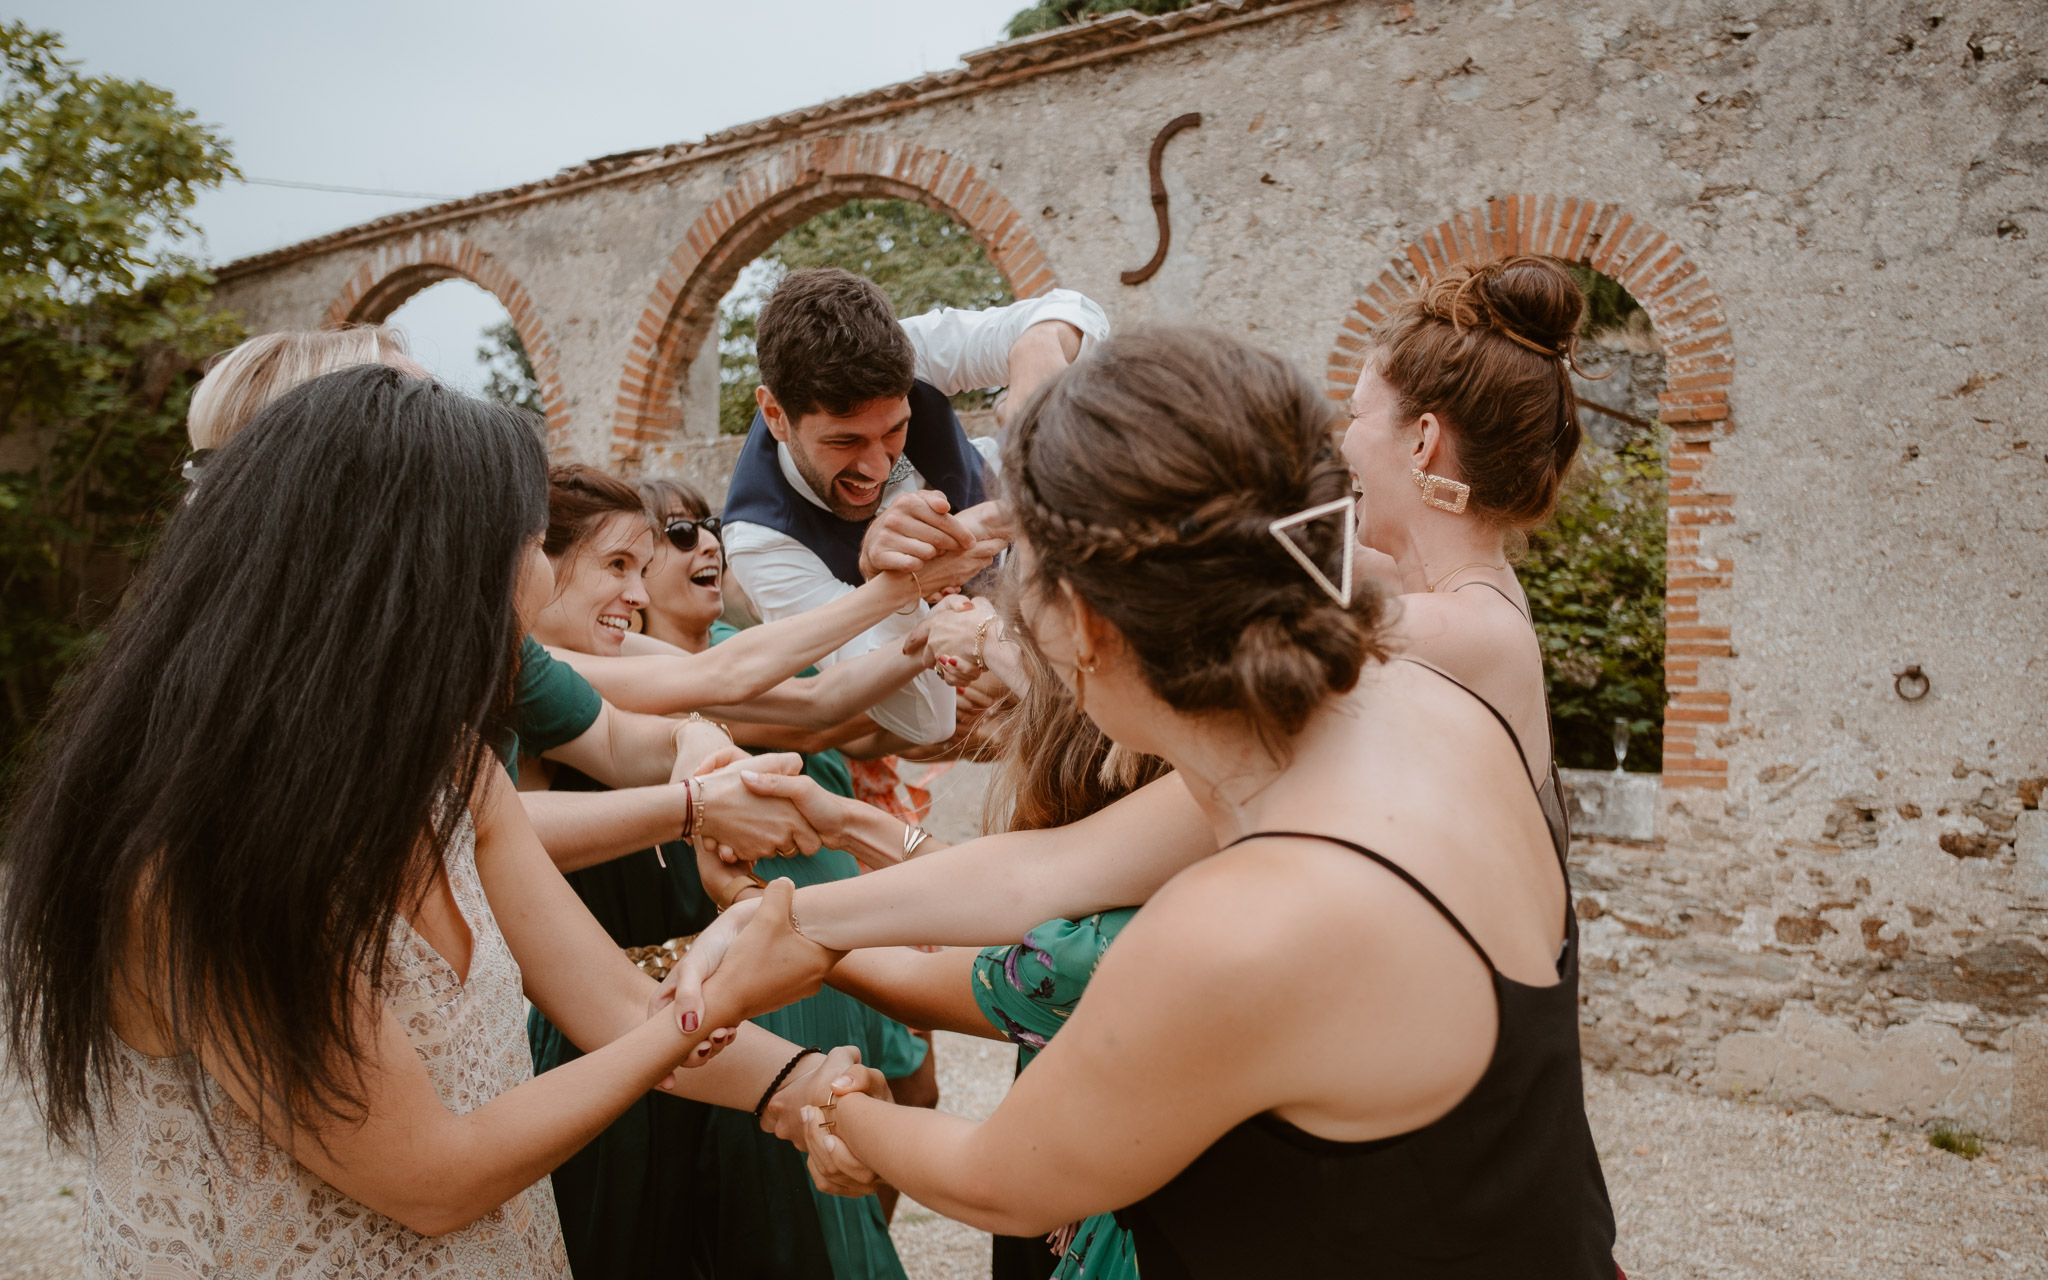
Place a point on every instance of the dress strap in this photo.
(1481, 582)
(1526, 617)
(1390, 865)
(1520, 754)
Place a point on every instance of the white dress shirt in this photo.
(956, 351)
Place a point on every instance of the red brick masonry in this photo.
(766, 199)
(397, 269)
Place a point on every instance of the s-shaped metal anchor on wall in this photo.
(1189, 121)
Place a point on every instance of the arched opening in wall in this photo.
(1595, 575)
(466, 339)
(1691, 327)
(667, 407)
(919, 257)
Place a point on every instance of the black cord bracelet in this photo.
(780, 1076)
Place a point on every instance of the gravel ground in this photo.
(40, 1196)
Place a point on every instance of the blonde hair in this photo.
(244, 380)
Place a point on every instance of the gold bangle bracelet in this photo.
(980, 639)
(916, 585)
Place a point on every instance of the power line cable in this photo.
(350, 191)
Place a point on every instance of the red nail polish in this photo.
(689, 1022)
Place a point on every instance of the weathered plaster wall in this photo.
(1835, 911)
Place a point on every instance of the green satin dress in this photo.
(1028, 991)
(677, 1188)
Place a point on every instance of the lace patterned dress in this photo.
(165, 1204)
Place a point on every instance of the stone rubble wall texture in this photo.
(1835, 213)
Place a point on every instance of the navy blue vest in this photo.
(935, 444)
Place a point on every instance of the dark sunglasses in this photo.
(682, 534)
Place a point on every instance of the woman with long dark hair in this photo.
(270, 907)
(1382, 953)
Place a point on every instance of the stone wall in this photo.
(1833, 211)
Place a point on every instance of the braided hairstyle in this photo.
(1489, 350)
(1148, 477)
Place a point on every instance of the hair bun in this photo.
(1528, 299)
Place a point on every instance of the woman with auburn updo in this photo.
(1463, 427)
(1347, 1040)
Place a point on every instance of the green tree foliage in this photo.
(102, 323)
(1608, 305)
(1595, 579)
(1047, 15)
(918, 256)
(508, 370)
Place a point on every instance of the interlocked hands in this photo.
(950, 635)
(918, 533)
(834, 1167)
(755, 961)
(740, 825)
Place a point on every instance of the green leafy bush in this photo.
(919, 257)
(1595, 579)
(102, 324)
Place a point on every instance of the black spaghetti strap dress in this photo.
(1507, 1184)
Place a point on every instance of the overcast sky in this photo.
(450, 97)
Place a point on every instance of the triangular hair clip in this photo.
(1348, 507)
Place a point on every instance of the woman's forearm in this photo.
(509, 1143)
(989, 891)
(873, 837)
(983, 893)
(936, 1160)
(583, 828)
(759, 658)
(738, 1075)
(830, 698)
(748, 664)
(461, 1170)
(926, 989)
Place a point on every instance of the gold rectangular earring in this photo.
(1429, 484)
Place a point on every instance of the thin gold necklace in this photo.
(1431, 587)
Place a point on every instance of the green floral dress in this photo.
(1028, 991)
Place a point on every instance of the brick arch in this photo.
(398, 269)
(767, 199)
(1692, 325)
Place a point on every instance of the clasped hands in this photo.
(919, 533)
(955, 639)
(752, 959)
(739, 824)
